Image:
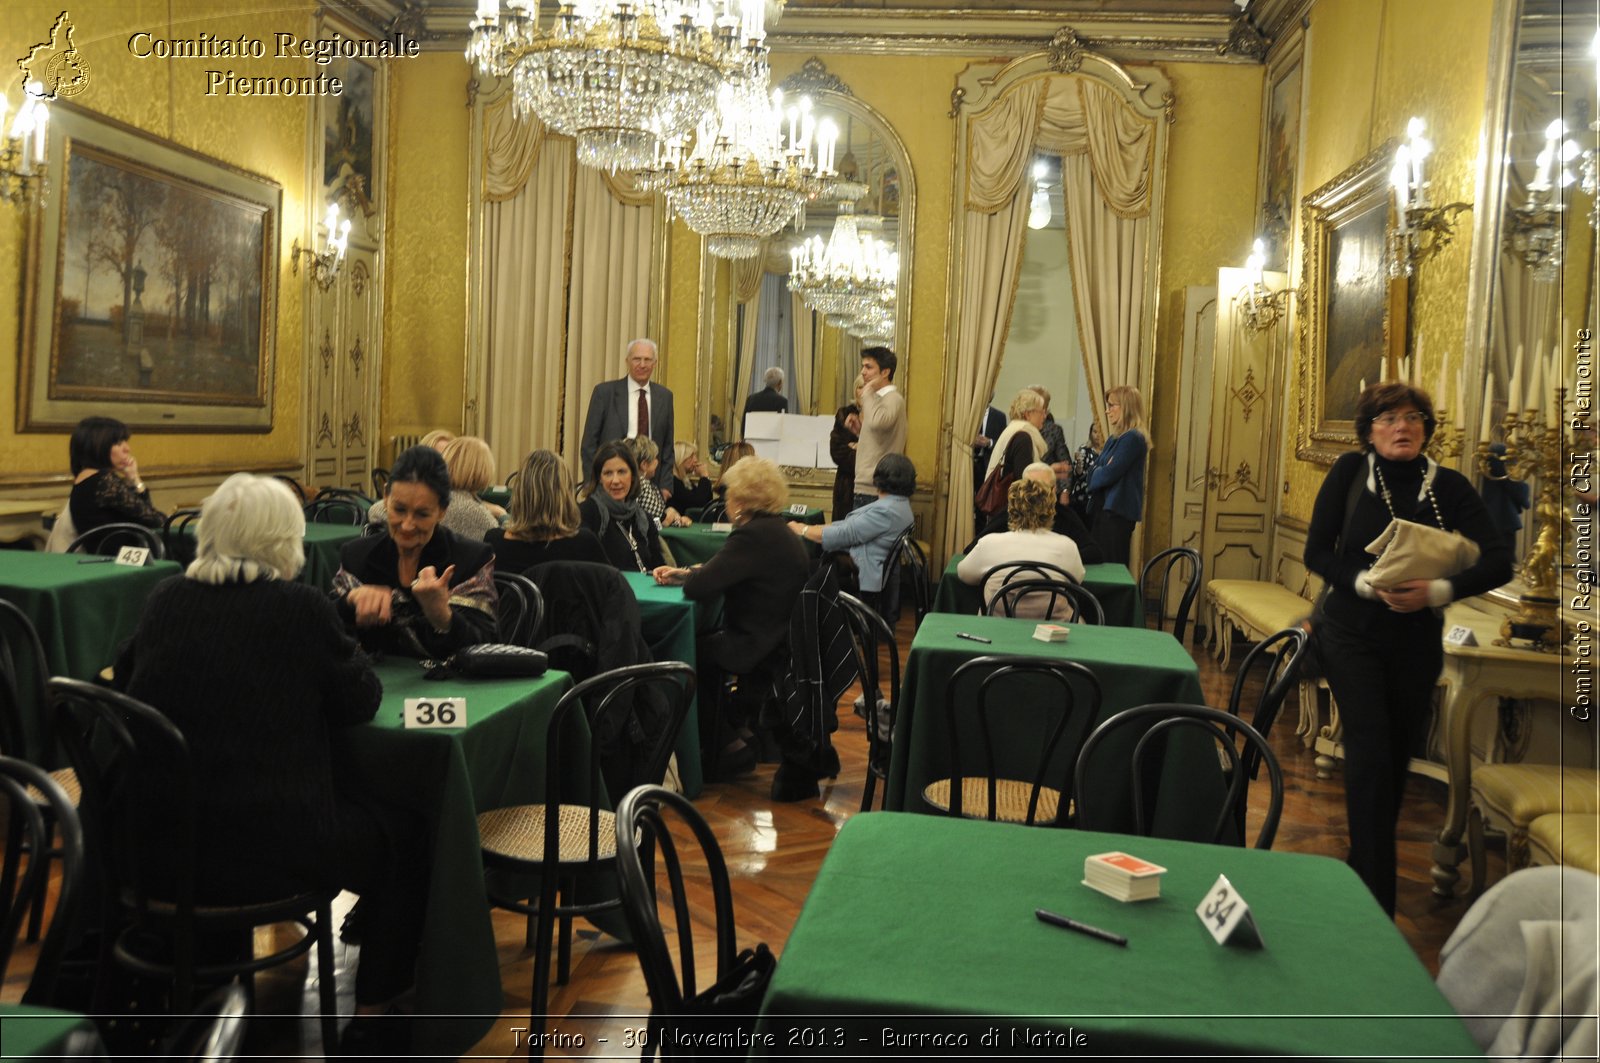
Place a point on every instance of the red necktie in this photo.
(644, 415)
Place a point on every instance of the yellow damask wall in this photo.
(263, 135)
(1371, 65)
(425, 301)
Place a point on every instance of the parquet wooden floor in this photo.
(773, 852)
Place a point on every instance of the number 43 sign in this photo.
(1225, 914)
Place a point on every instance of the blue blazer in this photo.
(1117, 482)
(610, 418)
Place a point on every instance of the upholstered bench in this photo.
(1252, 608)
(1509, 798)
(1568, 839)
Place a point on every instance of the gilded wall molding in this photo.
(812, 77)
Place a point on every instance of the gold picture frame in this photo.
(1353, 323)
(151, 286)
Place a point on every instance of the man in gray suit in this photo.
(632, 406)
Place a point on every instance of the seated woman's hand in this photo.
(674, 519)
(431, 589)
(667, 576)
(372, 605)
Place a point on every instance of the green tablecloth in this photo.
(496, 496)
(448, 777)
(1112, 584)
(82, 612)
(323, 543)
(916, 925)
(696, 544)
(28, 1032)
(670, 622)
(1134, 667)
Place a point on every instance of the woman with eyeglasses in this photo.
(1116, 483)
(1380, 647)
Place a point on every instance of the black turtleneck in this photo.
(1339, 563)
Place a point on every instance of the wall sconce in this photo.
(22, 157)
(323, 266)
(1533, 231)
(1421, 230)
(1263, 307)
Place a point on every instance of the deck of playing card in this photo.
(1051, 633)
(1125, 877)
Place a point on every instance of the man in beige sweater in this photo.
(883, 419)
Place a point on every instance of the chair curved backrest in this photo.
(107, 539)
(521, 608)
(1052, 747)
(294, 485)
(345, 492)
(714, 512)
(24, 702)
(1173, 556)
(336, 509)
(1277, 658)
(1077, 603)
(1224, 728)
(380, 481)
(645, 843)
(372, 529)
(28, 824)
(870, 636)
(906, 563)
(1015, 570)
(179, 536)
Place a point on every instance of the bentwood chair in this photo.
(1173, 556)
(380, 481)
(906, 566)
(333, 509)
(1275, 661)
(108, 539)
(870, 637)
(1012, 710)
(1011, 571)
(571, 834)
(647, 852)
(178, 535)
(37, 808)
(521, 607)
(1157, 724)
(138, 812)
(1062, 600)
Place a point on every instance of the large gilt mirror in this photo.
(764, 321)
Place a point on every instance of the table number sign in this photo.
(722, 527)
(1226, 915)
(798, 509)
(425, 713)
(1460, 635)
(133, 555)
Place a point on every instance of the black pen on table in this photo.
(1083, 928)
(972, 638)
(95, 561)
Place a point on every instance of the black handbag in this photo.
(718, 1020)
(489, 660)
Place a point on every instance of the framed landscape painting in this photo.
(151, 286)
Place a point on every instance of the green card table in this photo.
(696, 544)
(83, 607)
(28, 1032)
(918, 928)
(1112, 584)
(323, 543)
(496, 496)
(1134, 667)
(448, 777)
(669, 622)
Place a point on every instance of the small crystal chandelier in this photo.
(744, 180)
(618, 74)
(851, 271)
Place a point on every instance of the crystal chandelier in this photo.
(744, 180)
(1533, 231)
(851, 271)
(618, 74)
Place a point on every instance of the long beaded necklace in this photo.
(1383, 489)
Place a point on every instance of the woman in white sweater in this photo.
(1030, 510)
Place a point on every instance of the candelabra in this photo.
(1533, 450)
(22, 152)
(323, 266)
(1449, 438)
(1261, 307)
(1421, 230)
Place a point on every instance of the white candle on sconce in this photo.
(1488, 410)
(1514, 395)
(1461, 398)
(1361, 388)
(1534, 400)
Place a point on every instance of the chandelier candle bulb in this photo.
(1514, 395)
(1486, 435)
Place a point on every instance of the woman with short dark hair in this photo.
(1380, 647)
(419, 590)
(106, 488)
(869, 532)
(613, 514)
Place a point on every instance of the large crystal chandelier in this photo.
(852, 271)
(744, 179)
(618, 74)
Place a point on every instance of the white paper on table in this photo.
(800, 452)
(760, 425)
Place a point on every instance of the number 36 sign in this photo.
(1225, 914)
(435, 712)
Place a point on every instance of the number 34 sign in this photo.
(1225, 914)
(435, 712)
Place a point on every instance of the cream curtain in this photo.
(528, 241)
(805, 353)
(608, 301)
(746, 274)
(1107, 158)
(511, 148)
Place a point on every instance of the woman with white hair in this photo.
(1021, 444)
(258, 673)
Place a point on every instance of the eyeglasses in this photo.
(1389, 420)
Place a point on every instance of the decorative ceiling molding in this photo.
(1276, 18)
(1246, 41)
(813, 76)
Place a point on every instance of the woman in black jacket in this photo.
(758, 574)
(1380, 646)
(612, 510)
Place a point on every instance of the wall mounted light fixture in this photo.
(22, 149)
(1421, 230)
(323, 266)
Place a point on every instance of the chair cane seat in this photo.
(517, 833)
(65, 778)
(1010, 798)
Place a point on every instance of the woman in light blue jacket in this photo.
(1116, 486)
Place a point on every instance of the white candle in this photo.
(1488, 410)
(40, 117)
(1461, 398)
(1535, 397)
(1514, 396)
(1361, 388)
(1405, 370)
(1400, 178)
(1439, 393)
(488, 9)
